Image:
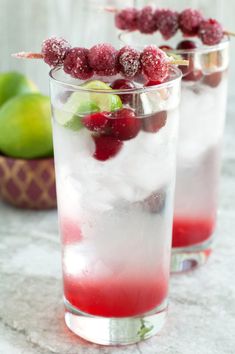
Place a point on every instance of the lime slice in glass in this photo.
(81, 103)
(73, 111)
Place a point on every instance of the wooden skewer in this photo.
(111, 9)
(180, 62)
(27, 55)
(115, 10)
(31, 55)
(229, 33)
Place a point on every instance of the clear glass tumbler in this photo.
(115, 189)
(202, 117)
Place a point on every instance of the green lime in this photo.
(82, 103)
(25, 127)
(73, 112)
(107, 102)
(96, 85)
(12, 84)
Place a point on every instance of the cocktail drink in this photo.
(115, 158)
(202, 116)
(115, 172)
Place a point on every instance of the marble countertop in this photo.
(202, 303)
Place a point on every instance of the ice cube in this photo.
(202, 114)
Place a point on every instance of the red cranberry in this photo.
(211, 32)
(214, 79)
(76, 64)
(187, 44)
(106, 147)
(102, 59)
(126, 19)
(123, 84)
(189, 21)
(167, 22)
(155, 63)
(189, 72)
(194, 75)
(128, 61)
(124, 125)
(146, 22)
(54, 50)
(155, 122)
(96, 122)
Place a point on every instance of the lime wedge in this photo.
(96, 85)
(81, 103)
(107, 102)
(73, 111)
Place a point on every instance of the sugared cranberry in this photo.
(155, 122)
(186, 44)
(165, 47)
(128, 61)
(126, 19)
(106, 147)
(54, 50)
(77, 65)
(167, 22)
(214, 79)
(146, 22)
(96, 122)
(124, 124)
(189, 21)
(155, 63)
(102, 59)
(123, 84)
(211, 32)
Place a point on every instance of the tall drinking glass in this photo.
(202, 117)
(115, 188)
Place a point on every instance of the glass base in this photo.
(188, 258)
(115, 331)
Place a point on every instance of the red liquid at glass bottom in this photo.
(120, 297)
(188, 232)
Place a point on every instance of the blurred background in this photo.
(24, 24)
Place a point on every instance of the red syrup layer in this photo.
(119, 296)
(188, 232)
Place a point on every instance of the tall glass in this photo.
(202, 116)
(115, 204)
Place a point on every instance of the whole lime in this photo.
(12, 84)
(25, 127)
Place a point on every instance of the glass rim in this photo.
(175, 71)
(201, 49)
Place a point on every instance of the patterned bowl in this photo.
(28, 183)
